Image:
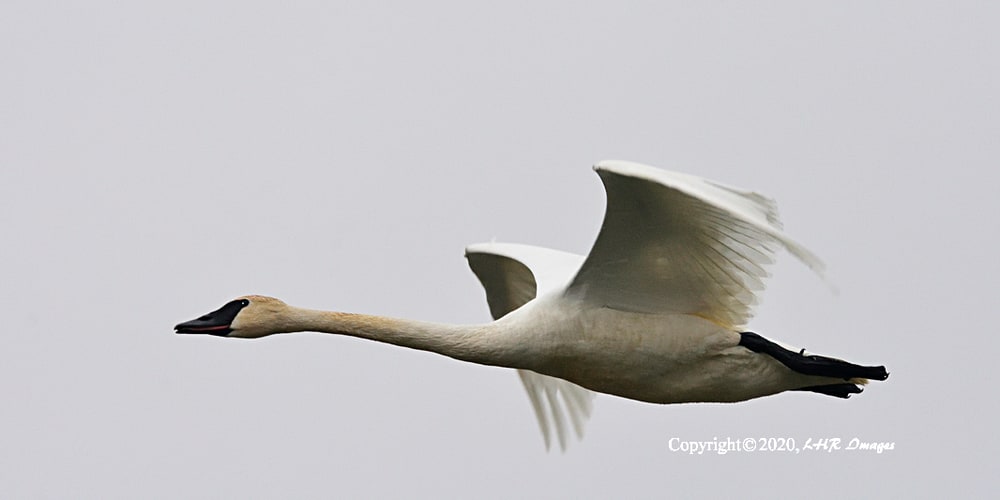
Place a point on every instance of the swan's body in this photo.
(652, 314)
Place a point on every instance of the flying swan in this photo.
(656, 311)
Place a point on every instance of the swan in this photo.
(656, 312)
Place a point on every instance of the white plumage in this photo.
(653, 313)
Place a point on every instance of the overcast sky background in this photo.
(159, 159)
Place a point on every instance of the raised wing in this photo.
(513, 275)
(676, 243)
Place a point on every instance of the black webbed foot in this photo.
(811, 364)
(836, 390)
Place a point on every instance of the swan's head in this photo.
(251, 316)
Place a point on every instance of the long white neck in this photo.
(484, 344)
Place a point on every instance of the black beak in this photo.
(217, 322)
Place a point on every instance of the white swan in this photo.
(653, 313)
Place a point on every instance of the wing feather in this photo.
(676, 243)
(512, 275)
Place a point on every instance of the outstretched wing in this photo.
(513, 275)
(676, 243)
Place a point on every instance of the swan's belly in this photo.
(656, 358)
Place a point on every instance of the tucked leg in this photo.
(836, 390)
(811, 364)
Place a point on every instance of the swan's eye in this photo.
(245, 302)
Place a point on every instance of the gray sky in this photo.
(158, 160)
